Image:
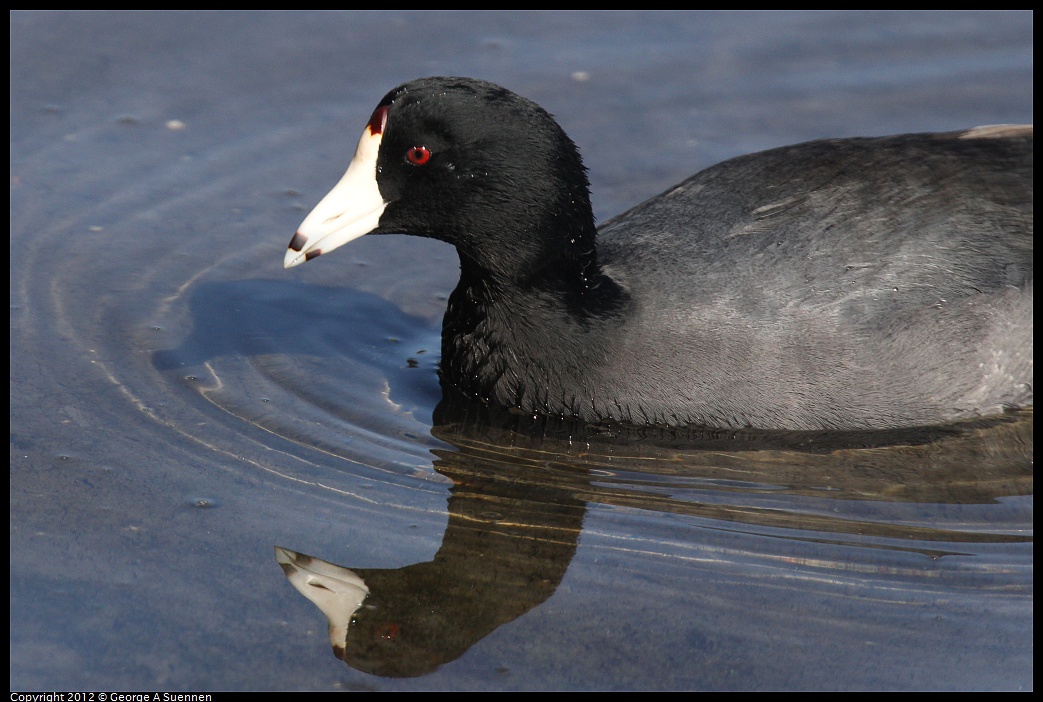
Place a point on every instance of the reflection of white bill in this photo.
(337, 591)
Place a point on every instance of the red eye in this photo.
(418, 155)
(387, 631)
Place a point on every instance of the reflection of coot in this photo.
(520, 492)
(506, 548)
(851, 284)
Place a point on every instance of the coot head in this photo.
(469, 163)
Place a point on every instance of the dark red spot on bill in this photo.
(379, 120)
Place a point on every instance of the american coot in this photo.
(837, 284)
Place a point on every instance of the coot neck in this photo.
(564, 275)
(502, 336)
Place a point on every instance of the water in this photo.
(181, 405)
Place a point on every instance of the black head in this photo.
(470, 163)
